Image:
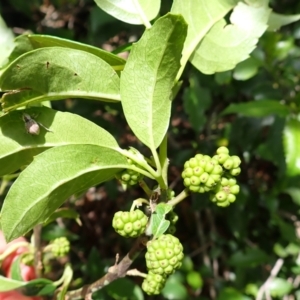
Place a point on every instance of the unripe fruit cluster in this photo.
(229, 163)
(164, 255)
(60, 247)
(154, 283)
(128, 176)
(225, 192)
(130, 223)
(201, 173)
(215, 175)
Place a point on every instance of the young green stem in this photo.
(145, 187)
(185, 193)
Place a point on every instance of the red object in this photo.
(28, 272)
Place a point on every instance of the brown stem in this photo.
(38, 265)
(114, 272)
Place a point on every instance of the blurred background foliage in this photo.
(253, 109)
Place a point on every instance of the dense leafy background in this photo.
(232, 250)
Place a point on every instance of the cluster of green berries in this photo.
(229, 163)
(130, 177)
(225, 191)
(203, 173)
(130, 223)
(60, 247)
(164, 255)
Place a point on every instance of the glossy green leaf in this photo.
(277, 20)
(258, 109)
(148, 79)
(279, 287)
(57, 73)
(291, 144)
(130, 11)
(26, 43)
(213, 45)
(6, 42)
(17, 147)
(50, 179)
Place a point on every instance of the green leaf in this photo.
(129, 11)
(174, 289)
(15, 269)
(8, 284)
(6, 42)
(50, 179)
(232, 294)
(250, 258)
(291, 144)
(213, 45)
(158, 223)
(196, 101)
(294, 193)
(277, 20)
(258, 109)
(17, 147)
(246, 69)
(148, 79)
(57, 73)
(124, 288)
(40, 287)
(26, 43)
(279, 287)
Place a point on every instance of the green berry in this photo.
(164, 255)
(130, 223)
(235, 171)
(223, 150)
(153, 283)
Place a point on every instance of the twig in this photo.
(264, 288)
(38, 265)
(114, 272)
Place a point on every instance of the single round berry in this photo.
(130, 223)
(164, 255)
